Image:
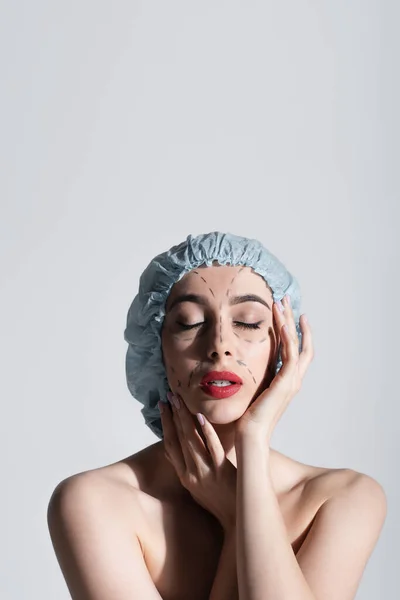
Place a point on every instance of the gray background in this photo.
(125, 127)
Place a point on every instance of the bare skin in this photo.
(180, 541)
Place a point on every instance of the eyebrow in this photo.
(203, 300)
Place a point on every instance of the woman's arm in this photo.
(331, 561)
(95, 543)
(267, 568)
(256, 550)
(225, 586)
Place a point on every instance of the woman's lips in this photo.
(218, 391)
(220, 375)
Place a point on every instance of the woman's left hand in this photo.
(203, 469)
(264, 412)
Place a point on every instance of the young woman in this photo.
(211, 511)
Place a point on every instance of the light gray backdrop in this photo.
(127, 125)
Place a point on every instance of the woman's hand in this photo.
(203, 469)
(264, 413)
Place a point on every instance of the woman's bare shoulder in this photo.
(123, 474)
(90, 513)
(108, 486)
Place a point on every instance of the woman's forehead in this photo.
(221, 279)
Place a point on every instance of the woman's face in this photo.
(219, 318)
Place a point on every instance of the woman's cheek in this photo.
(175, 367)
(258, 360)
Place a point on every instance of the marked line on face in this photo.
(263, 340)
(179, 383)
(190, 378)
(205, 281)
(241, 363)
(251, 375)
(193, 371)
(233, 279)
(238, 273)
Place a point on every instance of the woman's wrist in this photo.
(245, 439)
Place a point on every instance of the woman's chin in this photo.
(219, 412)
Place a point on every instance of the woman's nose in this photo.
(220, 342)
(215, 354)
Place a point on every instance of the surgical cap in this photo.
(145, 372)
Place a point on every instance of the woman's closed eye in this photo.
(237, 323)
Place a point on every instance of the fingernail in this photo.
(160, 407)
(200, 418)
(169, 396)
(280, 306)
(288, 299)
(175, 400)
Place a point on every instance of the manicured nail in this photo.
(288, 299)
(200, 418)
(175, 400)
(169, 396)
(160, 407)
(280, 306)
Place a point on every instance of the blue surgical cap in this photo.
(145, 372)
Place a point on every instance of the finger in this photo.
(193, 447)
(289, 317)
(278, 320)
(171, 440)
(276, 330)
(285, 316)
(290, 354)
(214, 445)
(189, 431)
(289, 320)
(292, 346)
(307, 351)
(190, 463)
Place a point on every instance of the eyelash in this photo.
(238, 323)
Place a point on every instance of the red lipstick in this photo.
(220, 391)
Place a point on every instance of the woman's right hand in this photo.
(203, 469)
